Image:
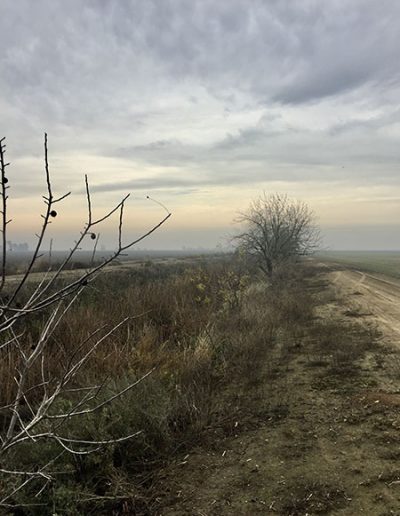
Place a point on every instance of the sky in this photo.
(203, 106)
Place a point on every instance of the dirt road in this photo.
(373, 296)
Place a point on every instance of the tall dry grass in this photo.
(202, 328)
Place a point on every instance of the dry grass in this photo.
(211, 332)
(198, 328)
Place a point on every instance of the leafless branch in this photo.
(4, 221)
(31, 413)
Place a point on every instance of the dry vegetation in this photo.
(205, 333)
(188, 330)
(317, 434)
(259, 393)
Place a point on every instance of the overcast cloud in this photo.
(206, 103)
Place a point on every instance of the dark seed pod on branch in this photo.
(93, 236)
(5, 180)
(84, 282)
(53, 213)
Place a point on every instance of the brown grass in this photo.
(211, 332)
(200, 327)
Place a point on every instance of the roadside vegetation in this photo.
(260, 393)
(203, 335)
(319, 432)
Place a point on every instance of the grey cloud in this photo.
(324, 83)
(259, 154)
(371, 124)
(177, 185)
(148, 184)
(289, 52)
(99, 74)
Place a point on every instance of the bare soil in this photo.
(320, 433)
(372, 294)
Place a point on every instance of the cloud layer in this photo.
(201, 101)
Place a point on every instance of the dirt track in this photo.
(371, 295)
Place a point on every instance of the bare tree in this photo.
(31, 415)
(276, 229)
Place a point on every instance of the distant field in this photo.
(384, 262)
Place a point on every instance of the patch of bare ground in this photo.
(317, 433)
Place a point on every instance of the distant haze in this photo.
(203, 105)
(380, 238)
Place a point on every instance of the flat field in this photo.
(383, 262)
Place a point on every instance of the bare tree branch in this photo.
(31, 413)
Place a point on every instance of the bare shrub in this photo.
(37, 369)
